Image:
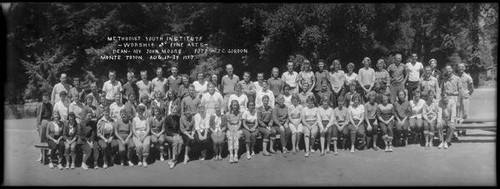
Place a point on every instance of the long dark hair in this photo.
(237, 111)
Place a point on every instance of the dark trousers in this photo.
(54, 148)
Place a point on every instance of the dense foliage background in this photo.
(45, 39)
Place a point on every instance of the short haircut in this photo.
(381, 61)
(112, 71)
(247, 73)
(229, 66)
(236, 86)
(415, 92)
(431, 92)
(295, 97)
(356, 96)
(265, 97)
(350, 65)
(275, 68)
(144, 72)
(310, 99)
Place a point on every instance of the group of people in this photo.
(397, 102)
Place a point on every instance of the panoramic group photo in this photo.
(250, 94)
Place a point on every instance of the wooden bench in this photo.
(45, 148)
(476, 124)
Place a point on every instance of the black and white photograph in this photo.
(249, 94)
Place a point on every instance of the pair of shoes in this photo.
(386, 149)
(352, 150)
(60, 166)
(445, 145)
(328, 151)
(96, 166)
(441, 145)
(235, 159)
(84, 166)
(139, 164)
(249, 156)
(253, 153)
(265, 153)
(335, 152)
(51, 165)
(307, 154)
(231, 159)
(285, 151)
(312, 150)
(390, 148)
(375, 148)
(202, 159)
(272, 151)
(130, 164)
(322, 153)
(144, 164)
(186, 159)
(161, 158)
(172, 165)
(105, 166)
(72, 166)
(67, 166)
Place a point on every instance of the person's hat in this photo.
(63, 93)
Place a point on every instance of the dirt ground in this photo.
(462, 164)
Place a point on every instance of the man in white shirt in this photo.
(291, 78)
(258, 83)
(112, 87)
(414, 70)
(466, 92)
(144, 85)
(58, 88)
(366, 78)
(160, 83)
(260, 94)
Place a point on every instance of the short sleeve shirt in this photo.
(416, 108)
(366, 76)
(159, 85)
(357, 112)
(403, 109)
(112, 89)
(386, 111)
(452, 85)
(228, 83)
(466, 80)
(144, 89)
(174, 83)
(275, 85)
(397, 72)
(337, 79)
(351, 78)
(414, 71)
(290, 79)
(265, 114)
(371, 110)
